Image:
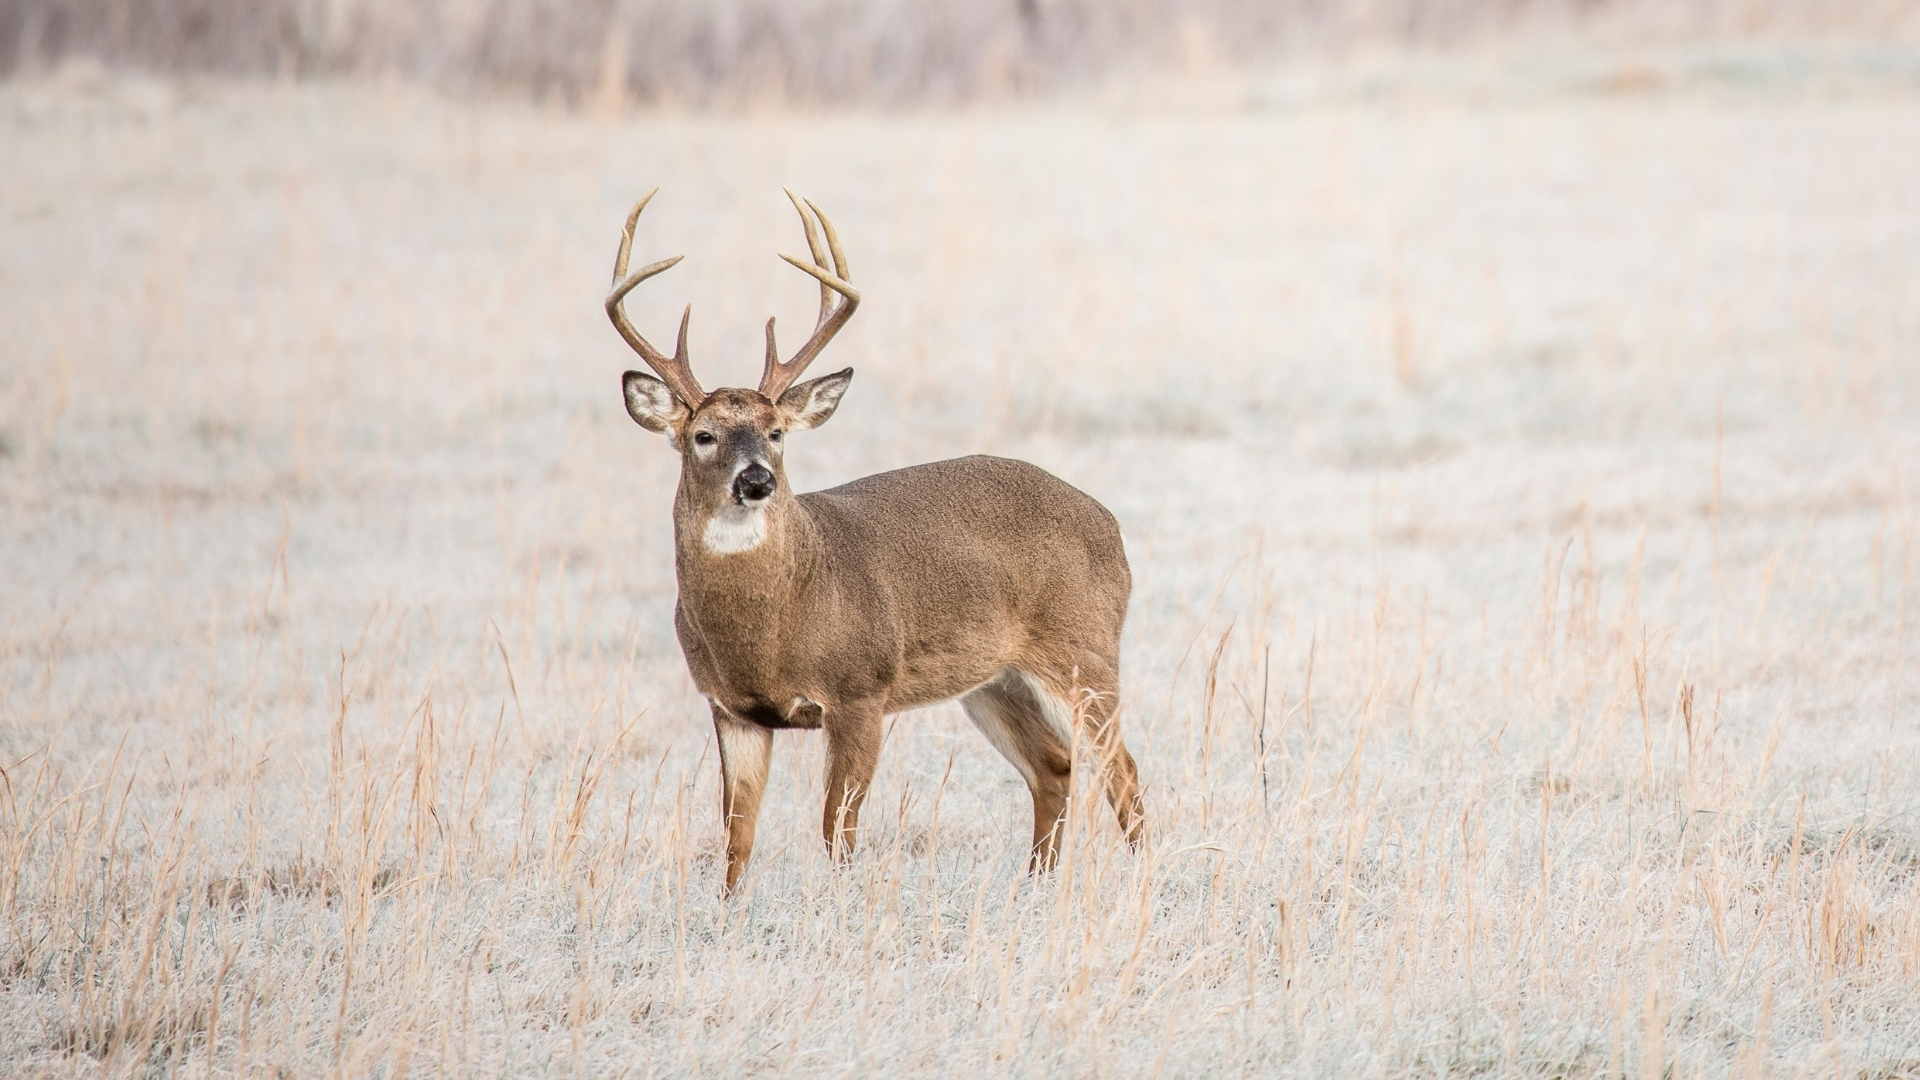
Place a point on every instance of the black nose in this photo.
(754, 483)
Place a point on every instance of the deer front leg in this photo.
(853, 752)
(745, 750)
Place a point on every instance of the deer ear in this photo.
(651, 404)
(809, 404)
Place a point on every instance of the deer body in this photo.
(980, 578)
(813, 613)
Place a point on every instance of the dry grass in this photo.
(1519, 470)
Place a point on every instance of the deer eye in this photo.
(704, 438)
(774, 434)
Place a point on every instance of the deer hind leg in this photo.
(1030, 727)
(854, 734)
(1097, 685)
(745, 751)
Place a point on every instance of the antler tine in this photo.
(833, 244)
(777, 376)
(819, 257)
(626, 235)
(677, 373)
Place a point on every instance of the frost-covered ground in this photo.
(1518, 463)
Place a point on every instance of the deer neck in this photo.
(744, 574)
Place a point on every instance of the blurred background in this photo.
(1513, 409)
(885, 52)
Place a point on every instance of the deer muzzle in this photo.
(753, 484)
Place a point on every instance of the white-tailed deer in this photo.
(980, 578)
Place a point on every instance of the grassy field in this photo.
(1518, 461)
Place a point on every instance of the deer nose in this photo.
(753, 484)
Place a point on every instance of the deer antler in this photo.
(776, 377)
(676, 373)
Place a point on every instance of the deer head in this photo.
(731, 441)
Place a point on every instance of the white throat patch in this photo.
(734, 529)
